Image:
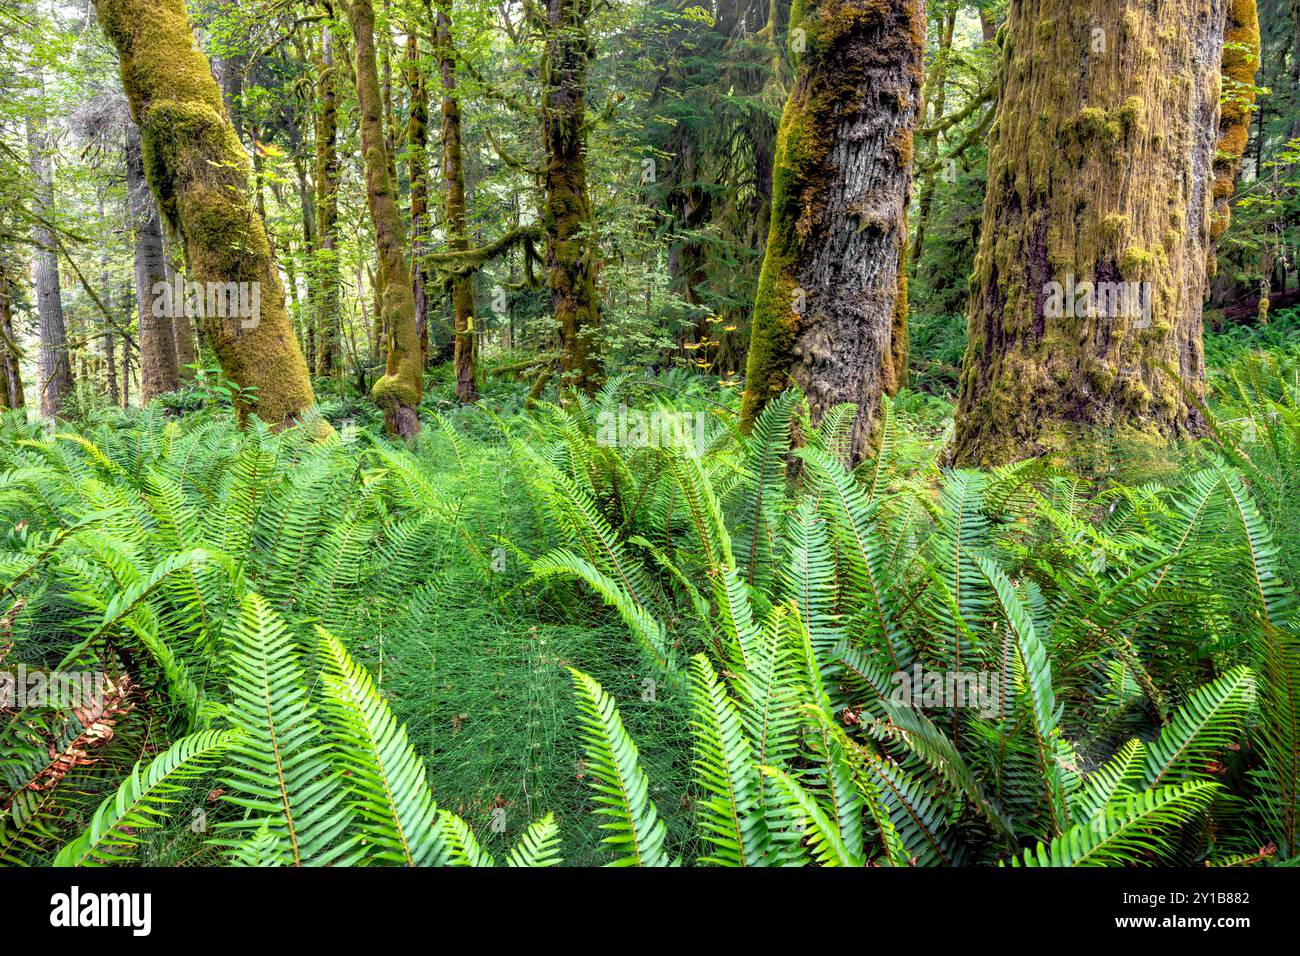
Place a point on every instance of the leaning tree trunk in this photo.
(831, 307)
(1091, 269)
(398, 391)
(200, 176)
(54, 369)
(159, 369)
(453, 171)
(566, 216)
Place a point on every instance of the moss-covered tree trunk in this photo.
(200, 177)
(831, 308)
(417, 136)
(54, 370)
(397, 393)
(567, 218)
(159, 368)
(1091, 269)
(1241, 45)
(327, 319)
(453, 174)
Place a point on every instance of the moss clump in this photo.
(1114, 225)
(1136, 262)
(1132, 114)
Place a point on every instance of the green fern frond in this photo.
(621, 789)
(143, 801)
(1129, 832)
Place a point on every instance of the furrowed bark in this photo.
(199, 173)
(1098, 174)
(831, 308)
(397, 393)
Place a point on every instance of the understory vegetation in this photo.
(515, 643)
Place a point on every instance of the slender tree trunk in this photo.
(398, 391)
(453, 173)
(417, 135)
(159, 370)
(11, 389)
(328, 318)
(54, 367)
(831, 308)
(126, 370)
(1091, 268)
(567, 218)
(200, 176)
(935, 98)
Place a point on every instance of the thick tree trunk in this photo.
(398, 391)
(328, 321)
(831, 308)
(567, 218)
(417, 135)
(53, 366)
(199, 173)
(453, 171)
(1091, 269)
(159, 369)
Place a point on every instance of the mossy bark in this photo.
(831, 308)
(1099, 173)
(327, 319)
(397, 392)
(571, 252)
(453, 173)
(199, 173)
(159, 367)
(1240, 60)
(417, 136)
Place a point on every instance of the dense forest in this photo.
(650, 432)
